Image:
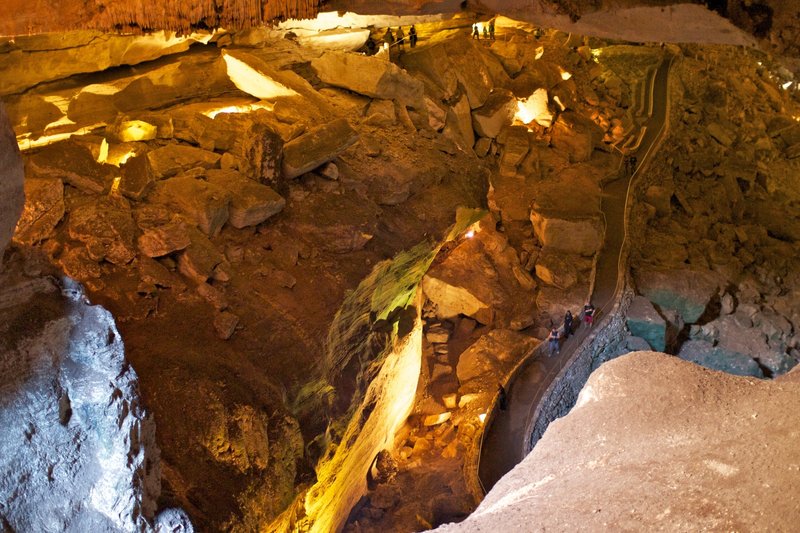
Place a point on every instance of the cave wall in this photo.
(12, 196)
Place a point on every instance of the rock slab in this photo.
(12, 196)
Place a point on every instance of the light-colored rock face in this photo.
(655, 443)
(78, 450)
(12, 196)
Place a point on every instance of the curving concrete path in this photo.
(505, 442)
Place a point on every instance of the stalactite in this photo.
(150, 15)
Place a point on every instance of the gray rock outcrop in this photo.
(77, 450)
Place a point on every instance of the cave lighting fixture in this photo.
(482, 417)
(564, 74)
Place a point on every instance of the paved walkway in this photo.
(505, 440)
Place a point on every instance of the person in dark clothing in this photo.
(412, 36)
(502, 398)
(370, 44)
(401, 37)
(491, 29)
(633, 164)
(388, 37)
(553, 341)
(568, 324)
(588, 314)
(486, 33)
(475, 33)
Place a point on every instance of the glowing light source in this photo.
(470, 234)
(534, 108)
(482, 417)
(539, 52)
(787, 85)
(557, 100)
(243, 108)
(137, 130)
(120, 159)
(114, 186)
(103, 155)
(254, 82)
(565, 75)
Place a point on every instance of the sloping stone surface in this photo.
(575, 235)
(12, 196)
(658, 444)
(163, 240)
(317, 147)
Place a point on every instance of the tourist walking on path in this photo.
(568, 324)
(553, 341)
(491, 29)
(401, 37)
(588, 314)
(475, 33)
(412, 36)
(388, 37)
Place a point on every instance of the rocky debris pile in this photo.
(78, 449)
(716, 257)
(614, 461)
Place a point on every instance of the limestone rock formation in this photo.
(490, 359)
(78, 449)
(74, 163)
(644, 321)
(316, 147)
(251, 203)
(656, 443)
(44, 208)
(687, 291)
(482, 278)
(12, 196)
(370, 76)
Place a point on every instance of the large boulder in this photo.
(251, 203)
(198, 261)
(483, 279)
(644, 321)
(202, 202)
(582, 235)
(497, 112)
(173, 159)
(369, 75)
(44, 209)
(316, 147)
(12, 196)
(457, 61)
(488, 360)
(162, 240)
(75, 164)
(687, 291)
(137, 177)
(575, 135)
(706, 354)
(107, 229)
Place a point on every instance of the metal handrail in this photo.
(618, 290)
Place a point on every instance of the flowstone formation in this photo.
(715, 262)
(656, 443)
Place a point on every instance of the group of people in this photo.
(399, 37)
(488, 31)
(554, 339)
(630, 165)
